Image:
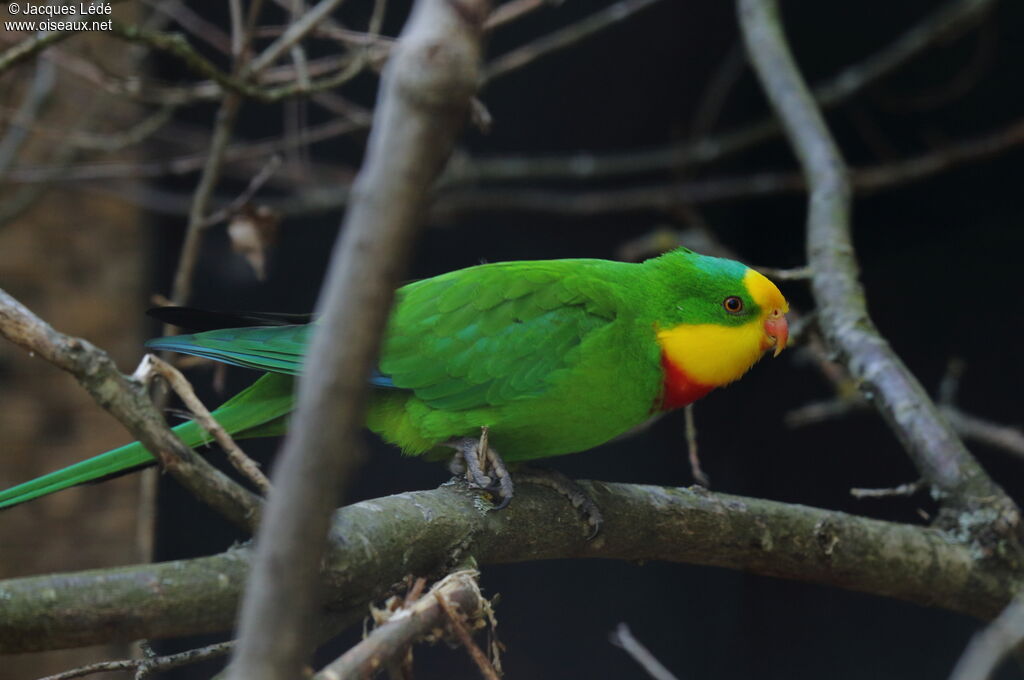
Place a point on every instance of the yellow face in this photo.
(716, 355)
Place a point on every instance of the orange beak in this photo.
(777, 330)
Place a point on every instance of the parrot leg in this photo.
(568, 488)
(474, 458)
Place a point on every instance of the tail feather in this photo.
(257, 411)
(118, 460)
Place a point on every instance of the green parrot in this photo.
(545, 357)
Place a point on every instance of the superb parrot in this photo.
(549, 357)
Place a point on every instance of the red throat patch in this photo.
(678, 389)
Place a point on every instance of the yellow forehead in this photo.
(765, 293)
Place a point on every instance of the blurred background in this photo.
(644, 128)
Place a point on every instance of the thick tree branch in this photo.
(934, 447)
(127, 401)
(425, 94)
(377, 543)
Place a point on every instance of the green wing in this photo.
(492, 334)
(276, 349)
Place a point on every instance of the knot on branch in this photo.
(992, 529)
(436, 63)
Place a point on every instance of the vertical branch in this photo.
(241, 39)
(425, 94)
(943, 460)
(197, 223)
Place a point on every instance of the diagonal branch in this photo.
(955, 477)
(127, 401)
(425, 94)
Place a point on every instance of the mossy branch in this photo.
(376, 543)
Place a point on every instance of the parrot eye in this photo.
(733, 304)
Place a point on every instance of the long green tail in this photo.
(257, 411)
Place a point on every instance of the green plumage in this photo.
(554, 356)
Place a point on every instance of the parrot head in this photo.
(727, 318)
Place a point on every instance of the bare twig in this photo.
(36, 95)
(908, 489)
(146, 666)
(464, 636)
(184, 164)
(566, 37)
(296, 31)
(622, 637)
(244, 464)
(456, 199)
(954, 16)
(510, 11)
(425, 94)
(993, 644)
(188, 19)
(1005, 437)
(127, 401)
(824, 409)
(30, 47)
(794, 274)
(226, 115)
(937, 452)
(691, 449)
(255, 184)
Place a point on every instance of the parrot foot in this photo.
(474, 458)
(568, 488)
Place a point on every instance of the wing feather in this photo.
(479, 337)
(497, 334)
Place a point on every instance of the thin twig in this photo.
(691, 449)
(297, 30)
(30, 47)
(456, 199)
(465, 637)
(510, 11)
(908, 489)
(1005, 437)
(244, 464)
(932, 444)
(623, 638)
(563, 38)
(948, 19)
(243, 198)
(188, 19)
(181, 165)
(146, 666)
(990, 646)
(36, 95)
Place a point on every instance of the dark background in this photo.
(940, 262)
